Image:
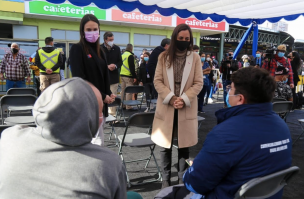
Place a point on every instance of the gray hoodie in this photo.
(57, 159)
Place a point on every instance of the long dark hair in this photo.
(296, 62)
(86, 18)
(171, 52)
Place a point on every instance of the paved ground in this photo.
(136, 172)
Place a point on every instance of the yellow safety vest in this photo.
(125, 69)
(49, 60)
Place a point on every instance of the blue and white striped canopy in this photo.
(233, 11)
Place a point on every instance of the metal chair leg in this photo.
(150, 156)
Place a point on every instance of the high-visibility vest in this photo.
(49, 60)
(125, 69)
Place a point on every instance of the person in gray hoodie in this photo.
(56, 159)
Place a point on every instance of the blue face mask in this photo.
(227, 101)
(146, 58)
(258, 55)
(203, 59)
(281, 54)
(285, 81)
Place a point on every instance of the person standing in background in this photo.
(196, 49)
(145, 79)
(114, 63)
(16, 68)
(89, 62)
(295, 62)
(127, 73)
(48, 59)
(178, 80)
(62, 67)
(36, 72)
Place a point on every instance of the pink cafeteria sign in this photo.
(206, 24)
(138, 17)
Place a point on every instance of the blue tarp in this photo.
(130, 6)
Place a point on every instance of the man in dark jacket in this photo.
(250, 140)
(228, 66)
(114, 60)
(48, 59)
(153, 59)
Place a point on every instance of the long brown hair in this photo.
(85, 19)
(170, 54)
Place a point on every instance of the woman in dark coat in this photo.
(295, 62)
(88, 60)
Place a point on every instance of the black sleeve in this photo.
(132, 65)
(139, 75)
(106, 77)
(119, 59)
(59, 63)
(234, 65)
(153, 62)
(62, 67)
(76, 61)
(38, 62)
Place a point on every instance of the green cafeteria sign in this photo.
(66, 10)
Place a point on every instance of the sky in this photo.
(296, 28)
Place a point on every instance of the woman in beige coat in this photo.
(178, 80)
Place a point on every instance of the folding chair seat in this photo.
(267, 186)
(278, 100)
(139, 140)
(132, 90)
(282, 108)
(16, 101)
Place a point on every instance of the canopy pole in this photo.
(245, 36)
(255, 39)
(222, 46)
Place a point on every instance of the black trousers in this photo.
(150, 92)
(38, 87)
(295, 98)
(166, 156)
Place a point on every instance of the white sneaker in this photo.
(147, 110)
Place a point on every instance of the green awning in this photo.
(11, 16)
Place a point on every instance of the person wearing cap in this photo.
(283, 90)
(279, 60)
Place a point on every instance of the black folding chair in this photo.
(267, 186)
(278, 100)
(111, 119)
(139, 140)
(21, 91)
(301, 121)
(282, 108)
(17, 100)
(132, 90)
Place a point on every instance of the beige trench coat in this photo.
(191, 85)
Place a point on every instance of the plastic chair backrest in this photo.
(141, 120)
(278, 100)
(266, 186)
(21, 91)
(16, 100)
(134, 89)
(282, 107)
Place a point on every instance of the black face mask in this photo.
(14, 50)
(182, 45)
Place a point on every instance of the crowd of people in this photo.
(57, 158)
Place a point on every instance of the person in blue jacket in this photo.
(249, 141)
